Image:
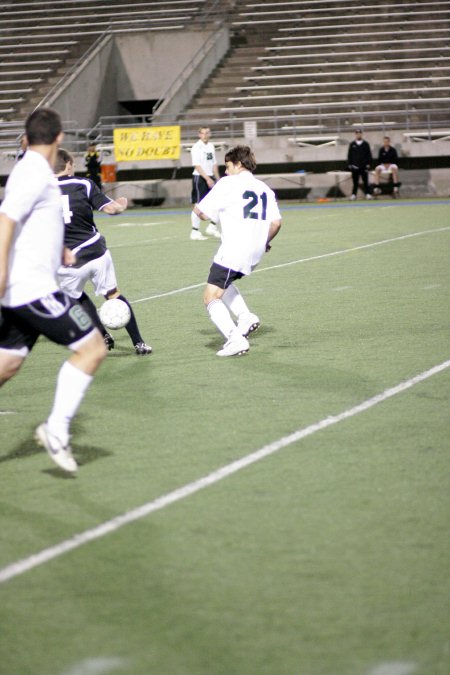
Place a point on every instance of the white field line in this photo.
(303, 260)
(27, 564)
(152, 224)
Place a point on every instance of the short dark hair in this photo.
(242, 154)
(43, 126)
(62, 157)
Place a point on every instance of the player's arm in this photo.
(199, 213)
(7, 226)
(203, 174)
(115, 206)
(274, 228)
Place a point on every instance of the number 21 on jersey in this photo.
(256, 206)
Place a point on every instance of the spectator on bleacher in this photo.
(92, 163)
(387, 163)
(205, 174)
(359, 161)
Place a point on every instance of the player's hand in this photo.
(123, 202)
(68, 257)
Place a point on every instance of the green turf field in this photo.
(325, 554)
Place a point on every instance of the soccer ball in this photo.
(114, 314)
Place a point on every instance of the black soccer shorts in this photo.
(56, 316)
(223, 276)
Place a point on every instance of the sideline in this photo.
(27, 564)
(344, 204)
(301, 260)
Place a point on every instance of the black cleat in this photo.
(142, 349)
(109, 341)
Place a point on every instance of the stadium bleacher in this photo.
(305, 70)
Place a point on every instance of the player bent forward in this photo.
(250, 219)
(31, 249)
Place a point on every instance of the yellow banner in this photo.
(146, 143)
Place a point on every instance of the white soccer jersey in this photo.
(33, 200)
(204, 155)
(245, 207)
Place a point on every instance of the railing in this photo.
(230, 124)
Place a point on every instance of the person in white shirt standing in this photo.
(205, 174)
(250, 219)
(31, 303)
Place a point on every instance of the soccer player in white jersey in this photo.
(205, 174)
(31, 250)
(250, 219)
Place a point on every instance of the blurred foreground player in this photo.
(93, 260)
(250, 219)
(31, 250)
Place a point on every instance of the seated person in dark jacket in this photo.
(387, 163)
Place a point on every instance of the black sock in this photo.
(91, 310)
(132, 327)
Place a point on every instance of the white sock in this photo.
(71, 386)
(235, 302)
(195, 221)
(220, 316)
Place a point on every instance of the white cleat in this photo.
(369, 196)
(196, 235)
(235, 346)
(213, 231)
(248, 324)
(353, 197)
(61, 453)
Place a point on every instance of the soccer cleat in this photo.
(353, 197)
(109, 341)
(369, 196)
(196, 235)
(142, 349)
(235, 346)
(60, 453)
(377, 190)
(213, 231)
(248, 324)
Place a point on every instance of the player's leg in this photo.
(14, 345)
(394, 170)
(218, 281)
(365, 180)
(246, 320)
(132, 328)
(196, 196)
(105, 283)
(355, 180)
(72, 281)
(63, 321)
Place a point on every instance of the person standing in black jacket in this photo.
(359, 162)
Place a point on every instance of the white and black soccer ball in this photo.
(114, 314)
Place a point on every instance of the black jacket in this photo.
(359, 156)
